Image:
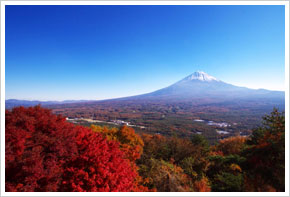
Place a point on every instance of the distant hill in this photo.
(10, 103)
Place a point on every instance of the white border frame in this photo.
(3, 3)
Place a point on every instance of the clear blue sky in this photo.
(99, 52)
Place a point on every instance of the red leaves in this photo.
(45, 153)
(130, 144)
(100, 167)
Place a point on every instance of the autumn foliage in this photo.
(45, 153)
(228, 146)
(174, 164)
(265, 155)
(131, 145)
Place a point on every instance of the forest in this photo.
(46, 153)
(174, 118)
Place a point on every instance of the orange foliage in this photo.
(130, 143)
(267, 139)
(216, 153)
(167, 177)
(228, 146)
(202, 185)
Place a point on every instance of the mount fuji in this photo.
(201, 85)
(197, 88)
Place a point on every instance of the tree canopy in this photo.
(46, 153)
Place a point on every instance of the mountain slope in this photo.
(200, 85)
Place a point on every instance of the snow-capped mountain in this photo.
(201, 85)
(198, 87)
(199, 75)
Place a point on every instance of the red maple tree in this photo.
(45, 153)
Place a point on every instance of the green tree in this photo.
(265, 153)
(196, 164)
(225, 173)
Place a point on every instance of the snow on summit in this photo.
(200, 75)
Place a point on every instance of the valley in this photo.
(170, 118)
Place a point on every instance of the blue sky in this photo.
(99, 52)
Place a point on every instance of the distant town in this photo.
(122, 122)
(218, 124)
(92, 120)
